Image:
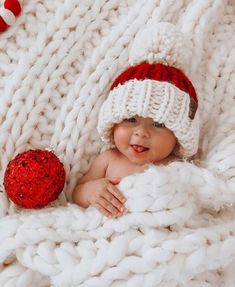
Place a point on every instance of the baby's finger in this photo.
(108, 206)
(113, 200)
(116, 192)
(102, 210)
(114, 180)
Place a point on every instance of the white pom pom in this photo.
(161, 43)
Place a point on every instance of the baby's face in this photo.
(143, 141)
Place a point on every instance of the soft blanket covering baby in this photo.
(56, 64)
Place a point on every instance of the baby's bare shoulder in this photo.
(110, 154)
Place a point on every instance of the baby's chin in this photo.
(148, 161)
(140, 161)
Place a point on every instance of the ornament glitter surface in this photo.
(34, 178)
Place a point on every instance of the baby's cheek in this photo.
(120, 134)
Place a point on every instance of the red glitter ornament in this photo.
(34, 178)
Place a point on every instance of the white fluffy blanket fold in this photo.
(56, 64)
(168, 235)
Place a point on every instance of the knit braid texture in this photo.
(57, 62)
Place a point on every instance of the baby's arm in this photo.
(94, 189)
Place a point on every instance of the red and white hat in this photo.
(154, 86)
(8, 13)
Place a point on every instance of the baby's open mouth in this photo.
(139, 148)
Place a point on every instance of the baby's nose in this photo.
(141, 131)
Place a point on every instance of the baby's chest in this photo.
(122, 168)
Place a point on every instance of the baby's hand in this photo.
(106, 197)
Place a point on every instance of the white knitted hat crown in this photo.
(156, 88)
(161, 43)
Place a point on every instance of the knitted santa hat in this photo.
(156, 87)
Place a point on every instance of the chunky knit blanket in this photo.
(56, 65)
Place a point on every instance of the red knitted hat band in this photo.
(157, 72)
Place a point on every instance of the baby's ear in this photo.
(192, 108)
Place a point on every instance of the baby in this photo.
(149, 117)
(139, 141)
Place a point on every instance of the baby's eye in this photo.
(131, 120)
(158, 125)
